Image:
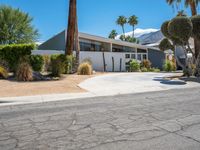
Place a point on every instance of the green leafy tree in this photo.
(16, 27)
(130, 39)
(193, 4)
(113, 34)
(122, 21)
(165, 44)
(133, 21)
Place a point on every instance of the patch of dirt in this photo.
(68, 84)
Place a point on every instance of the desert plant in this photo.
(66, 62)
(4, 64)
(146, 64)
(37, 62)
(169, 66)
(16, 26)
(57, 67)
(134, 66)
(3, 73)
(24, 71)
(46, 63)
(85, 69)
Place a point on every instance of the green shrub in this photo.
(66, 62)
(56, 67)
(134, 66)
(37, 62)
(169, 66)
(85, 69)
(143, 69)
(12, 53)
(3, 73)
(24, 71)
(154, 70)
(146, 64)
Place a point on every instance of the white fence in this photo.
(97, 60)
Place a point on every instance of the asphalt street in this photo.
(165, 120)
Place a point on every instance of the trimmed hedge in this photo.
(181, 28)
(12, 53)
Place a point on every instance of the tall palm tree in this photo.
(133, 21)
(113, 34)
(191, 3)
(71, 28)
(122, 21)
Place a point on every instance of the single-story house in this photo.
(117, 53)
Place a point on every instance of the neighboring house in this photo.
(117, 53)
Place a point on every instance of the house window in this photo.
(133, 56)
(139, 57)
(139, 50)
(127, 56)
(90, 45)
(144, 56)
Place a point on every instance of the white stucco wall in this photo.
(97, 60)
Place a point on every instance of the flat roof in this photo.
(113, 41)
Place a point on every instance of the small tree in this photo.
(165, 44)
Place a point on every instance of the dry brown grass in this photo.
(69, 84)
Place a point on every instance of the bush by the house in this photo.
(24, 71)
(134, 66)
(37, 62)
(85, 69)
(66, 62)
(143, 69)
(146, 64)
(12, 53)
(169, 66)
(154, 70)
(3, 73)
(57, 67)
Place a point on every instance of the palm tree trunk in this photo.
(71, 28)
(76, 46)
(133, 35)
(193, 7)
(123, 31)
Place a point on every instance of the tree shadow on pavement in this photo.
(163, 80)
(190, 79)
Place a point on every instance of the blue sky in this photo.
(95, 16)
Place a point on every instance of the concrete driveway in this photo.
(124, 83)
